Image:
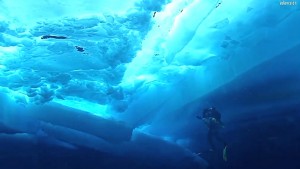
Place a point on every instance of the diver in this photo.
(212, 119)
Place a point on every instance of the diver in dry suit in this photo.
(212, 119)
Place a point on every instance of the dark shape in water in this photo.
(79, 49)
(53, 36)
(154, 14)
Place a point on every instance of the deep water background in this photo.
(118, 85)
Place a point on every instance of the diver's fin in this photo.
(225, 153)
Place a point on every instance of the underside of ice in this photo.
(128, 79)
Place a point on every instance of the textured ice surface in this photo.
(126, 78)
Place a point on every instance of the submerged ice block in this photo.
(27, 118)
(108, 129)
(69, 128)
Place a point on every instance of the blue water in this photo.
(118, 85)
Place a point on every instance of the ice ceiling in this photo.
(131, 63)
(109, 52)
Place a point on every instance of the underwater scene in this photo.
(149, 84)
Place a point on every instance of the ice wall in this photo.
(226, 44)
(127, 81)
(229, 43)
